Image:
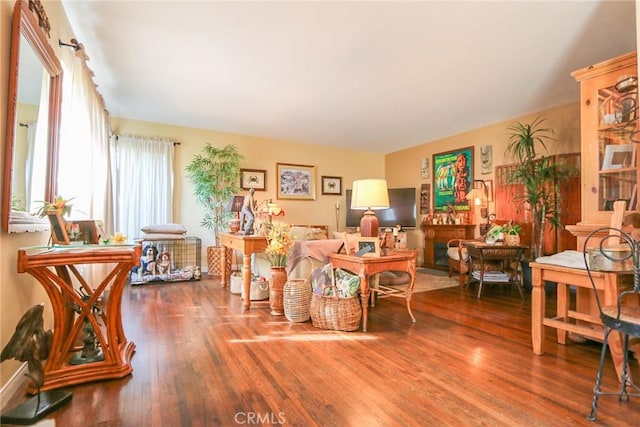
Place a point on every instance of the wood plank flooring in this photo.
(202, 361)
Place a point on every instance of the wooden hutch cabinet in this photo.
(436, 237)
(610, 137)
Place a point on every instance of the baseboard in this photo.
(16, 384)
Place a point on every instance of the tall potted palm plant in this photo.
(539, 175)
(215, 176)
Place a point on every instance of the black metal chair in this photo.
(624, 316)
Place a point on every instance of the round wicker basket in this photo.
(297, 300)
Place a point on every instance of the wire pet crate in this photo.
(174, 261)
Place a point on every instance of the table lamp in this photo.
(369, 195)
(235, 205)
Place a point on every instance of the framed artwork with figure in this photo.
(452, 178)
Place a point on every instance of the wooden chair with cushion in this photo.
(458, 259)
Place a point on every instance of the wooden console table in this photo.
(79, 306)
(247, 245)
(369, 266)
(435, 242)
(566, 320)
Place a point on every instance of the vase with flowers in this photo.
(279, 242)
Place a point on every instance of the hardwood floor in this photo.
(202, 361)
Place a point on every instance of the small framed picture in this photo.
(296, 182)
(368, 247)
(59, 234)
(253, 178)
(332, 185)
(618, 156)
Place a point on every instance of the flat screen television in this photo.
(402, 210)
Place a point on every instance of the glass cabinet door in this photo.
(617, 132)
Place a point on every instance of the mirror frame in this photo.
(31, 22)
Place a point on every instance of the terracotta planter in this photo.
(276, 284)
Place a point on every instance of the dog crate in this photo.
(168, 260)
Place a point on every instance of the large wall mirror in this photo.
(33, 120)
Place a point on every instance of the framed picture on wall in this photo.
(332, 185)
(253, 178)
(297, 182)
(452, 179)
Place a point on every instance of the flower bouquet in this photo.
(280, 241)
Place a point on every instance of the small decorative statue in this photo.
(90, 352)
(246, 214)
(31, 343)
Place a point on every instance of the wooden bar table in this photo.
(247, 245)
(83, 312)
(369, 266)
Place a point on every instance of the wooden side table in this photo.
(247, 245)
(365, 267)
(80, 309)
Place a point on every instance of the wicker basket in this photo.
(297, 300)
(334, 312)
(512, 239)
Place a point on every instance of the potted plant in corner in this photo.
(215, 176)
(538, 176)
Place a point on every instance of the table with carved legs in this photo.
(88, 341)
(366, 267)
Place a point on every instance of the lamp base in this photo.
(369, 224)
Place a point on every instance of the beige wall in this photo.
(402, 168)
(259, 153)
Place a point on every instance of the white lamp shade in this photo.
(370, 194)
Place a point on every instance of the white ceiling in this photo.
(376, 76)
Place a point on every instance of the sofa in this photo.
(310, 250)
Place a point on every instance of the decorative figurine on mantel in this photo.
(30, 343)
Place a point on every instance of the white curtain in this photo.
(84, 161)
(143, 177)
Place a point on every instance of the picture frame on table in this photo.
(253, 178)
(59, 234)
(296, 182)
(368, 247)
(618, 156)
(332, 185)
